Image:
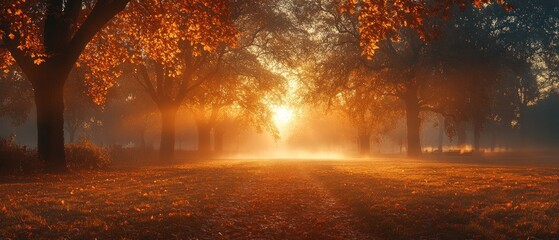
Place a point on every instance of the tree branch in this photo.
(146, 83)
(103, 12)
(24, 62)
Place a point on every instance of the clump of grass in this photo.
(86, 156)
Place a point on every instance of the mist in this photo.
(296, 119)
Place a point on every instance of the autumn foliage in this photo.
(157, 32)
(184, 51)
(125, 73)
(380, 20)
(23, 29)
(48, 38)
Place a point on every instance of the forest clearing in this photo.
(293, 119)
(384, 198)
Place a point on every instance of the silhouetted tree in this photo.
(169, 51)
(45, 39)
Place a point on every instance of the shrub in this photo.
(17, 159)
(86, 156)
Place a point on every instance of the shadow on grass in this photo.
(447, 205)
(144, 204)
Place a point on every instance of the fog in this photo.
(297, 80)
(312, 134)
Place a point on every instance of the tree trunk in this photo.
(522, 127)
(364, 142)
(493, 138)
(441, 133)
(477, 135)
(461, 135)
(413, 125)
(64, 46)
(204, 137)
(167, 145)
(50, 124)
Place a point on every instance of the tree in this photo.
(79, 107)
(169, 46)
(384, 22)
(469, 62)
(380, 20)
(529, 34)
(340, 77)
(494, 66)
(369, 111)
(529, 31)
(16, 96)
(248, 80)
(137, 113)
(407, 74)
(243, 91)
(45, 39)
(344, 84)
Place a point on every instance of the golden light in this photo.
(282, 116)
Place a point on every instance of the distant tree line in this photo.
(484, 66)
(480, 61)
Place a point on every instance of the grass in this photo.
(305, 199)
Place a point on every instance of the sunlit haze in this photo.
(291, 119)
(282, 116)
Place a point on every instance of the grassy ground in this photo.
(305, 199)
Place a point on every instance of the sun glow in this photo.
(282, 116)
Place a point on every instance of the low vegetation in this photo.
(86, 155)
(341, 199)
(16, 159)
